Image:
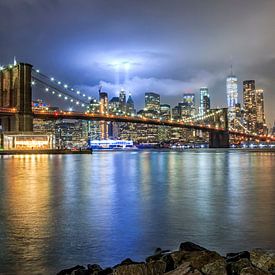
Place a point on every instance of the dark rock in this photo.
(93, 268)
(170, 265)
(184, 269)
(235, 268)
(127, 261)
(157, 255)
(81, 272)
(152, 268)
(189, 246)
(253, 271)
(200, 260)
(217, 267)
(263, 259)
(234, 257)
(106, 271)
(179, 257)
(153, 258)
(70, 270)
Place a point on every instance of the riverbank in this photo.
(189, 259)
(45, 152)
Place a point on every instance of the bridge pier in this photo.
(16, 92)
(219, 140)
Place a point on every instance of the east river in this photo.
(58, 211)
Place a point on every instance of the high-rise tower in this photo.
(204, 100)
(103, 109)
(152, 102)
(249, 104)
(231, 90)
(122, 101)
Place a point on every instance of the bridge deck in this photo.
(141, 120)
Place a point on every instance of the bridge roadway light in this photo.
(65, 86)
(38, 71)
(47, 89)
(59, 82)
(52, 78)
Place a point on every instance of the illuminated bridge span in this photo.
(130, 119)
(16, 112)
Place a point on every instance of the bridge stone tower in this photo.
(16, 92)
(220, 139)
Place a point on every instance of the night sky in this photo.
(167, 46)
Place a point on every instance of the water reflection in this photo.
(57, 211)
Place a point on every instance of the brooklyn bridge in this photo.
(17, 114)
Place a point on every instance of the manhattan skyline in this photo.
(91, 42)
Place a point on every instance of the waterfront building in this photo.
(103, 109)
(204, 100)
(152, 102)
(27, 141)
(71, 133)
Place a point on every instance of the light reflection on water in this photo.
(57, 211)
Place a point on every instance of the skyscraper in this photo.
(188, 100)
(130, 106)
(122, 101)
(231, 91)
(261, 127)
(103, 109)
(165, 111)
(187, 106)
(94, 126)
(249, 104)
(253, 100)
(204, 100)
(152, 102)
(114, 106)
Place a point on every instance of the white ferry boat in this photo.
(111, 144)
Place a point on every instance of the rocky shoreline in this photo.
(189, 259)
